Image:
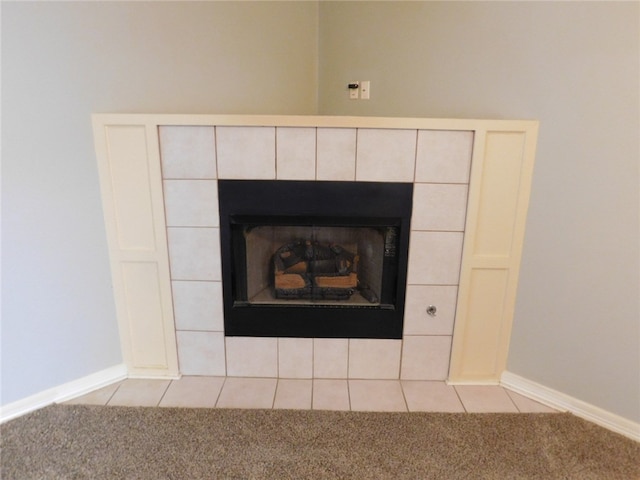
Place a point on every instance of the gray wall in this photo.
(573, 66)
(60, 63)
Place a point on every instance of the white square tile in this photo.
(191, 203)
(443, 156)
(201, 353)
(252, 357)
(425, 396)
(295, 357)
(434, 258)
(374, 358)
(437, 206)
(485, 399)
(194, 253)
(246, 152)
(187, 152)
(247, 393)
(198, 305)
(425, 357)
(386, 155)
(295, 153)
(376, 396)
(418, 299)
(97, 397)
(526, 405)
(293, 394)
(193, 392)
(330, 357)
(138, 392)
(336, 155)
(330, 394)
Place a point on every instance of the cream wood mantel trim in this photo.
(127, 148)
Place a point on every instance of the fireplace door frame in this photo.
(288, 202)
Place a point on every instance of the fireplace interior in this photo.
(314, 259)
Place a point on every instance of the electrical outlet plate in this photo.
(354, 92)
(365, 89)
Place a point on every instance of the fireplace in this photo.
(320, 259)
(164, 229)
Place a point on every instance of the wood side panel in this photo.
(485, 307)
(143, 308)
(502, 167)
(498, 201)
(130, 177)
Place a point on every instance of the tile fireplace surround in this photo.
(159, 179)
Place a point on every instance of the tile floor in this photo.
(317, 394)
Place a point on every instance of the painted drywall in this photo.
(574, 67)
(60, 63)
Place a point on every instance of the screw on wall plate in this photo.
(432, 310)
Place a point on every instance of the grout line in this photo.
(312, 389)
(436, 231)
(275, 393)
(114, 392)
(406, 404)
(165, 392)
(313, 362)
(226, 356)
(427, 335)
(196, 280)
(355, 161)
(215, 149)
(460, 399)
(315, 151)
(512, 400)
(348, 356)
(199, 331)
(192, 226)
(277, 357)
(224, 382)
(400, 360)
(189, 178)
(275, 152)
(415, 157)
(466, 184)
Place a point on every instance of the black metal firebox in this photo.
(314, 259)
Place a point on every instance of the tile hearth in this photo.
(317, 394)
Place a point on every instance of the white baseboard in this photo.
(63, 392)
(579, 408)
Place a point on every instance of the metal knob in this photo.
(432, 310)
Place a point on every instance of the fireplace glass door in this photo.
(314, 264)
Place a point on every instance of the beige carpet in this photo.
(78, 442)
